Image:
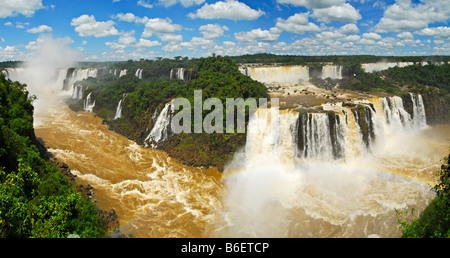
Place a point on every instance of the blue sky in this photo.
(106, 30)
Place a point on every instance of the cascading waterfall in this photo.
(419, 117)
(77, 92)
(123, 73)
(139, 73)
(161, 129)
(89, 103)
(332, 71)
(177, 73)
(292, 74)
(119, 107)
(309, 174)
(279, 74)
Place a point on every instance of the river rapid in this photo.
(156, 196)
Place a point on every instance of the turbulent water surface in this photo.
(299, 175)
(265, 192)
(153, 195)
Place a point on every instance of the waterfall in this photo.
(76, 75)
(139, 73)
(279, 74)
(325, 173)
(376, 67)
(346, 132)
(161, 129)
(119, 107)
(419, 117)
(89, 103)
(14, 74)
(316, 136)
(122, 73)
(119, 110)
(77, 92)
(271, 132)
(332, 71)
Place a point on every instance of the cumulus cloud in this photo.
(210, 31)
(86, 26)
(312, 3)
(144, 3)
(25, 7)
(257, 34)
(349, 29)
(170, 37)
(372, 36)
(158, 25)
(40, 29)
(228, 9)
(405, 35)
(11, 53)
(437, 32)
(345, 13)
(404, 15)
(297, 23)
(145, 43)
(185, 3)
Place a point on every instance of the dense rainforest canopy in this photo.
(35, 199)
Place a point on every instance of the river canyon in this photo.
(314, 167)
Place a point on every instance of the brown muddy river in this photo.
(156, 196)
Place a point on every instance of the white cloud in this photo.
(8, 24)
(115, 45)
(349, 29)
(21, 25)
(312, 3)
(14, 7)
(172, 48)
(372, 36)
(86, 26)
(297, 23)
(210, 31)
(228, 9)
(144, 3)
(129, 17)
(170, 37)
(404, 15)
(126, 40)
(11, 53)
(344, 13)
(405, 35)
(144, 43)
(437, 32)
(257, 34)
(185, 3)
(40, 29)
(158, 25)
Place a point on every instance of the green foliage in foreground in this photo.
(36, 201)
(434, 222)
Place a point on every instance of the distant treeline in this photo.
(265, 58)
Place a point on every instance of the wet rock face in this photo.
(437, 107)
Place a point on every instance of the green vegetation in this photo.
(434, 222)
(362, 81)
(417, 77)
(217, 77)
(36, 201)
(265, 58)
